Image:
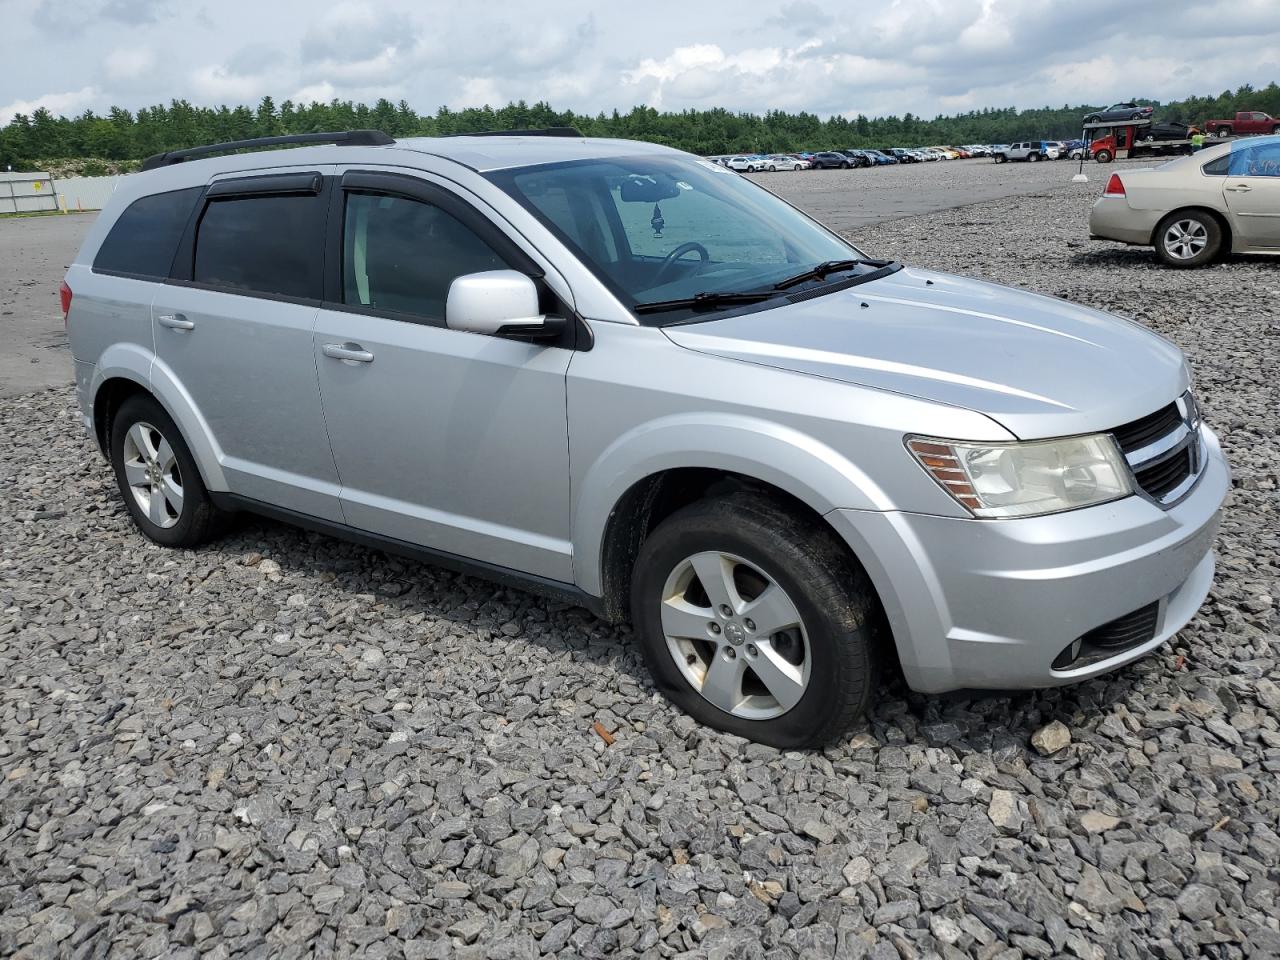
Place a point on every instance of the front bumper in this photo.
(991, 603)
(1111, 218)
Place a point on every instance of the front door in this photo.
(235, 334)
(1252, 192)
(450, 440)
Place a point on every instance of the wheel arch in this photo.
(128, 369)
(648, 474)
(1223, 224)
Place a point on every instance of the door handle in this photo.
(348, 351)
(1240, 188)
(175, 321)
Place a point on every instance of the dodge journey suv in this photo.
(632, 379)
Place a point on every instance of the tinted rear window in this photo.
(145, 237)
(268, 245)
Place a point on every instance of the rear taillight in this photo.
(1114, 187)
(64, 294)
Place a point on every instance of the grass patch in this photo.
(42, 213)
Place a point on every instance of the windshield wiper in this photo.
(822, 270)
(706, 300)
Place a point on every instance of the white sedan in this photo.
(783, 162)
(1224, 198)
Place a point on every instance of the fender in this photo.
(790, 460)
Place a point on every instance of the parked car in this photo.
(856, 157)
(1127, 110)
(904, 156)
(744, 164)
(1166, 130)
(769, 464)
(1246, 122)
(827, 159)
(1194, 208)
(1032, 150)
(782, 162)
(880, 158)
(1074, 149)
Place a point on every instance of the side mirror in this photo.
(501, 303)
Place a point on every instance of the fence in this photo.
(85, 193)
(26, 193)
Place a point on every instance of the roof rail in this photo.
(536, 132)
(351, 138)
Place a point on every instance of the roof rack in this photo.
(537, 132)
(350, 138)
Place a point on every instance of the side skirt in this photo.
(543, 586)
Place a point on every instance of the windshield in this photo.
(666, 228)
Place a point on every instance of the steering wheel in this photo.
(669, 260)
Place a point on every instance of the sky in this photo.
(873, 58)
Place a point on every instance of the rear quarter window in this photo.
(144, 239)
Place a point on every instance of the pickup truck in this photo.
(1245, 122)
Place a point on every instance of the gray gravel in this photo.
(284, 746)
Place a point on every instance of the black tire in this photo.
(1212, 233)
(1135, 116)
(198, 520)
(1222, 132)
(831, 593)
(1093, 118)
(1000, 158)
(844, 165)
(1033, 157)
(1103, 156)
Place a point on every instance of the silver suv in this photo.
(632, 379)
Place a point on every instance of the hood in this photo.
(1039, 366)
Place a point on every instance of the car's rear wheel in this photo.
(1135, 116)
(756, 621)
(1188, 239)
(158, 477)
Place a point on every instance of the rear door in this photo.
(446, 439)
(233, 327)
(1251, 190)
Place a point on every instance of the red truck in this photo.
(1246, 122)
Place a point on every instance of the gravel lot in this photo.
(285, 746)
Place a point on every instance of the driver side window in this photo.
(401, 255)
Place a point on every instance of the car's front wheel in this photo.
(1188, 239)
(158, 478)
(756, 621)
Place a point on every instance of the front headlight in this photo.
(1026, 479)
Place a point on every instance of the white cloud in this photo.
(127, 63)
(57, 103)
(894, 56)
(315, 93)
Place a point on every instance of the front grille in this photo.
(1163, 450)
(1164, 476)
(1128, 631)
(1139, 433)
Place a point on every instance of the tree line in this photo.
(119, 139)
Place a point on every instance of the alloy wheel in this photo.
(153, 475)
(1185, 239)
(735, 635)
